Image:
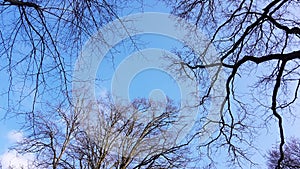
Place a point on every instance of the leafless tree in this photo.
(40, 40)
(117, 140)
(291, 155)
(258, 44)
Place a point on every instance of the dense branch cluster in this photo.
(251, 36)
(118, 141)
(292, 155)
(257, 43)
(40, 41)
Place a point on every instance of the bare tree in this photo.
(118, 139)
(257, 41)
(291, 155)
(40, 40)
(258, 44)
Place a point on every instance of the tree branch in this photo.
(277, 115)
(24, 4)
(258, 60)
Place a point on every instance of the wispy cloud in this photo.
(15, 136)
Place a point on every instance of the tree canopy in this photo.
(258, 56)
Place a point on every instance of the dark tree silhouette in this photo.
(291, 155)
(258, 44)
(40, 40)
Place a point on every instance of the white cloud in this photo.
(15, 136)
(12, 159)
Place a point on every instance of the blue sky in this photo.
(146, 80)
(141, 86)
